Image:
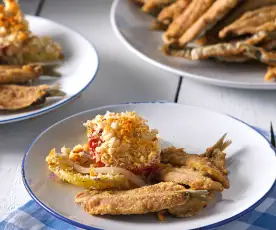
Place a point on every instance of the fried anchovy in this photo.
(15, 97)
(154, 7)
(169, 13)
(185, 20)
(270, 74)
(263, 19)
(216, 12)
(10, 74)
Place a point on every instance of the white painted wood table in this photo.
(122, 77)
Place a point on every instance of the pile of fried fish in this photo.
(182, 185)
(226, 30)
(23, 58)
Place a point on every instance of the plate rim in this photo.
(174, 71)
(63, 102)
(75, 223)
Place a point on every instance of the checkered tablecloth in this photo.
(33, 217)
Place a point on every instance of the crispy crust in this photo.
(191, 207)
(263, 19)
(168, 14)
(155, 6)
(216, 50)
(186, 19)
(217, 11)
(270, 74)
(10, 74)
(14, 97)
(142, 200)
(177, 157)
(188, 176)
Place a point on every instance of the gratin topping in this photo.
(123, 140)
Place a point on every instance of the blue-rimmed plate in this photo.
(77, 70)
(250, 159)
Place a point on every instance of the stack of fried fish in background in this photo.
(182, 184)
(227, 30)
(21, 55)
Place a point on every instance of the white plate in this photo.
(78, 68)
(250, 159)
(132, 27)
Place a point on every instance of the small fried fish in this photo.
(142, 200)
(227, 49)
(186, 19)
(245, 6)
(187, 176)
(270, 74)
(191, 207)
(171, 12)
(154, 7)
(216, 155)
(178, 157)
(15, 97)
(11, 74)
(263, 19)
(216, 12)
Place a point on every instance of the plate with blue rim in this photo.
(77, 71)
(250, 161)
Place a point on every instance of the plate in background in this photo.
(132, 27)
(78, 69)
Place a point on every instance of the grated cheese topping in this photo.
(125, 140)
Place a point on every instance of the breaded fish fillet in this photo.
(142, 200)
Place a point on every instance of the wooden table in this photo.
(122, 77)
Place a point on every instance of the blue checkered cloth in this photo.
(31, 216)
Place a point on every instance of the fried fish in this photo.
(11, 74)
(187, 176)
(270, 74)
(171, 12)
(252, 22)
(227, 49)
(142, 200)
(216, 12)
(191, 207)
(203, 164)
(212, 36)
(186, 19)
(216, 155)
(154, 7)
(15, 97)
